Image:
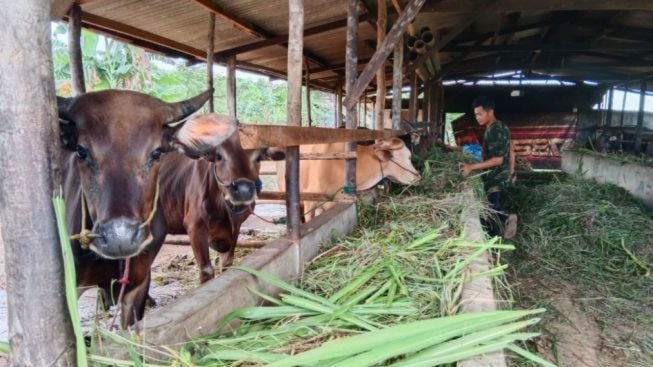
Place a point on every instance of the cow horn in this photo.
(63, 107)
(178, 111)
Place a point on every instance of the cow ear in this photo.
(274, 154)
(67, 130)
(383, 155)
(201, 134)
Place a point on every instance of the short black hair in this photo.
(483, 101)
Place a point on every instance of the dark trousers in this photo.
(494, 224)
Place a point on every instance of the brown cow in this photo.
(387, 158)
(210, 198)
(115, 140)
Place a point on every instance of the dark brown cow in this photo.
(115, 140)
(210, 198)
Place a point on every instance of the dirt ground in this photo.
(571, 337)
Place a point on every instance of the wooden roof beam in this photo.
(282, 39)
(549, 47)
(240, 24)
(458, 6)
(254, 29)
(128, 32)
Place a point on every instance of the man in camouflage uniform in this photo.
(499, 160)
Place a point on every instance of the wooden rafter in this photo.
(276, 40)
(379, 57)
(253, 29)
(458, 6)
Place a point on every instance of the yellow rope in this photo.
(85, 236)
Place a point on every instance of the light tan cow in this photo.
(387, 158)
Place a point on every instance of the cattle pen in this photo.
(359, 270)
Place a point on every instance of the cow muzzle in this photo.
(242, 192)
(118, 238)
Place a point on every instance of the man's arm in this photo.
(492, 162)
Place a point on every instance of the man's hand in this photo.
(465, 169)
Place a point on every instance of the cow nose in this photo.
(242, 190)
(119, 238)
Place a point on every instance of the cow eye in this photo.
(82, 153)
(218, 157)
(156, 154)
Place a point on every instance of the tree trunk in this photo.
(74, 39)
(40, 333)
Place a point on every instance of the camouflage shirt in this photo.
(496, 143)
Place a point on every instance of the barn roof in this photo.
(607, 41)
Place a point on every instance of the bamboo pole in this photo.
(621, 119)
(350, 79)
(75, 49)
(295, 55)
(40, 332)
(397, 80)
(209, 59)
(381, 23)
(231, 86)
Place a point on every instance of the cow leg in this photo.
(225, 248)
(138, 288)
(200, 246)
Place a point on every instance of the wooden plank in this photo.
(395, 34)
(470, 6)
(575, 47)
(241, 243)
(76, 64)
(209, 59)
(59, 8)
(399, 10)
(379, 107)
(351, 61)
(327, 156)
(305, 196)
(276, 40)
(261, 136)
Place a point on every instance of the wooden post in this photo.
(350, 78)
(426, 99)
(381, 23)
(441, 116)
(76, 64)
(209, 59)
(295, 55)
(621, 119)
(640, 117)
(364, 111)
(308, 92)
(397, 81)
(40, 332)
(412, 105)
(434, 96)
(231, 86)
(339, 104)
(608, 117)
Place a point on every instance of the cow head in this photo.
(394, 158)
(119, 138)
(237, 170)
